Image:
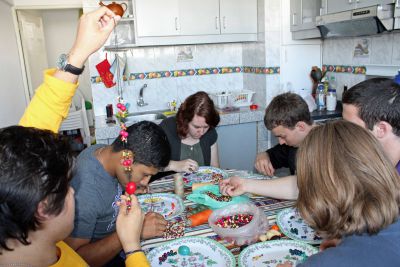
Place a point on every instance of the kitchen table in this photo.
(270, 206)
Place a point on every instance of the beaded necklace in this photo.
(127, 156)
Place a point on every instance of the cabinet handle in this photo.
(357, 1)
(294, 19)
(216, 23)
(350, 2)
(176, 23)
(397, 3)
(224, 22)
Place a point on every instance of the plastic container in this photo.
(221, 100)
(246, 234)
(331, 100)
(242, 98)
(320, 97)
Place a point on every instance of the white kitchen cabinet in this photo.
(302, 18)
(170, 22)
(334, 6)
(157, 18)
(238, 16)
(237, 146)
(199, 17)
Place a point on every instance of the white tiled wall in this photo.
(383, 50)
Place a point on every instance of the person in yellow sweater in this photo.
(36, 201)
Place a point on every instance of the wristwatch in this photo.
(62, 64)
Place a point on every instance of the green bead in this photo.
(184, 250)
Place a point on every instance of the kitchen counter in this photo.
(318, 115)
(111, 131)
(106, 133)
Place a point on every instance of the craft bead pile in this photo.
(234, 221)
(218, 198)
(216, 178)
(174, 230)
(166, 255)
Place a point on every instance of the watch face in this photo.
(62, 61)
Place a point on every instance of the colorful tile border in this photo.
(196, 72)
(345, 69)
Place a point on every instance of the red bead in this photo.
(130, 188)
(119, 105)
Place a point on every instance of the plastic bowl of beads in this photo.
(239, 223)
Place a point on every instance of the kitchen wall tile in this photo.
(262, 145)
(261, 16)
(165, 57)
(262, 132)
(338, 51)
(396, 49)
(272, 15)
(273, 48)
(256, 83)
(141, 60)
(381, 49)
(273, 87)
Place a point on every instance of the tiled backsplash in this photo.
(348, 58)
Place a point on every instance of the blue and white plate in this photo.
(168, 205)
(203, 252)
(204, 174)
(271, 253)
(294, 227)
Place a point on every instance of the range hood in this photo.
(357, 22)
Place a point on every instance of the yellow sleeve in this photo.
(50, 104)
(137, 259)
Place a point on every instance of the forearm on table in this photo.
(172, 166)
(214, 156)
(280, 188)
(101, 251)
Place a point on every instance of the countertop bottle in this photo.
(397, 77)
(320, 97)
(331, 99)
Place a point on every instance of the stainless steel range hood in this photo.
(357, 22)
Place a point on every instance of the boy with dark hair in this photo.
(35, 198)
(375, 104)
(289, 119)
(99, 181)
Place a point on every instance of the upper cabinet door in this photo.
(367, 3)
(199, 17)
(334, 6)
(238, 16)
(157, 17)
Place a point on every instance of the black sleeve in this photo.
(279, 156)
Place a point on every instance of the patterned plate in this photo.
(204, 174)
(294, 227)
(203, 252)
(271, 253)
(168, 205)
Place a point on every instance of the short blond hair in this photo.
(347, 185)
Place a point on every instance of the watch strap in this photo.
(74, 70)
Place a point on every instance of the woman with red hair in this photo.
(192, 135)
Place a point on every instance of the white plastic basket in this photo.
(242, 98)
(221, 100)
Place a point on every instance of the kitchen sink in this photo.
(144, 116)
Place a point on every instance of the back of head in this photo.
(347, 185)
(378, 99)
(286, 110)
(148, 142)
(35, 165)
(199, 104)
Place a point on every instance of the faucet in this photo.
(140, 101)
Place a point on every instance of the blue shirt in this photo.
(380, 250)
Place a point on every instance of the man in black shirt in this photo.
(288, 118)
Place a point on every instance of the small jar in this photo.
(178, 184)
(331, 100)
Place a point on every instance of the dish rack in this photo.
(235, 98)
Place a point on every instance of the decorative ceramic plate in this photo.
(271, 253)
(203, 252)
(168, 205)
(294, 227)
(204, 174)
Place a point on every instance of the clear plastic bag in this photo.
(246, 234)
